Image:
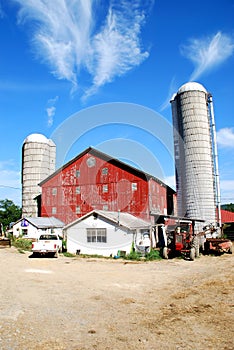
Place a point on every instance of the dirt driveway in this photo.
(75, 303)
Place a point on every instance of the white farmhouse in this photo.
(30, 227)
(105, 233)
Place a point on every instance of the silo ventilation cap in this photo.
(191, 86)
(36, 138)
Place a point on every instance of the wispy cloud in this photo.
(225, 137)
(172, 89)
(51, 109)
(69, 37)
(208, 52)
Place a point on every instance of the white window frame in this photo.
(96, 235)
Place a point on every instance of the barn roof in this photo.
(110, 160)
(122, 219)
(227, 216)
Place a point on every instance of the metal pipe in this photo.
(217, 183)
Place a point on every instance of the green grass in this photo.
(69, 255)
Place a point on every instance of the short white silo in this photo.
(38, 162)
(194, 161)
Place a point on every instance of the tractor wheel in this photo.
(192, 254)
(165, 253)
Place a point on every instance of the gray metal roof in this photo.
(123, 219)
(45, 222)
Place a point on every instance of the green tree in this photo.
(229, 207)
(9, 212)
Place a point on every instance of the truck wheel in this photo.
(230, 250)
(165, 253)
(192, 254)
(56, 254)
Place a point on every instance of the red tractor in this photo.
(181, 241)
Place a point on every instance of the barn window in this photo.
(104, 188)
(78, 190)
(54, 191)
(54, 210)
(91, 162)
(134, 186)
(96, 235)
(105, 207)
(78, 209)
(77, 173)
(104, 171)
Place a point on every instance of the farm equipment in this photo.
(181, 241)
(214, 243)
(217, 245)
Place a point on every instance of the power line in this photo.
(15, 188)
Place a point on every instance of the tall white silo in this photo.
(194, 160)
(38, 162)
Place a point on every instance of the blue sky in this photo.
(59, 59)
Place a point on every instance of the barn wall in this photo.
(158, 197)
(85, 185)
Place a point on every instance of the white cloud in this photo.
(172, 89)
(51, 109)
(69, 37)
(225, 137)
(207, 53)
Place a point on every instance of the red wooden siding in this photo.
(158, 197)
(91, 183)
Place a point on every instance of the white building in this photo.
(106, 233)
(33, 227)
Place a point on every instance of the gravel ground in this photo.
(77, 304)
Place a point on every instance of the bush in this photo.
(153, 255)
(22, 243)
(133, 255)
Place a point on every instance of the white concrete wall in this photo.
(32, 231)
(117, 238)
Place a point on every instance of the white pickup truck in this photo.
(47, 244)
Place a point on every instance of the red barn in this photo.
(94, 180)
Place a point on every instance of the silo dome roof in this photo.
(36, 138)
(191, 86)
